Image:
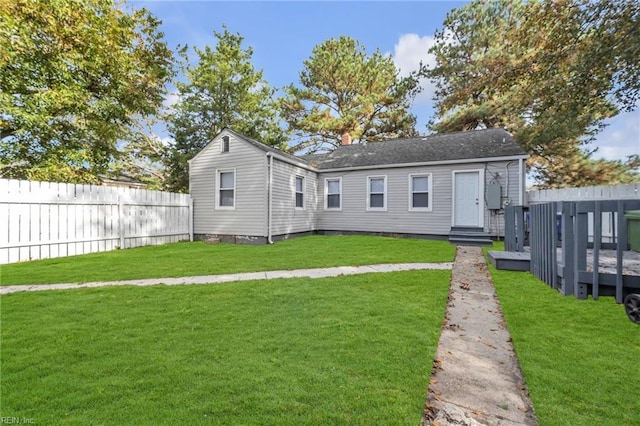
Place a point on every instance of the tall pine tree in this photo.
(346, 91)
(551, 72)
(223, 90)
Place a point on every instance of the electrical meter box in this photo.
(494, 196)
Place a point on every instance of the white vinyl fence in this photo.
(590, 193)
(40, 220)
(587, 193)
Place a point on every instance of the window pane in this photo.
(226, 180)
(421, 183)
(376, 200)
(299, 200)
(226, 198)
(333, 201)
(421, 200)
(333, 187)
(299, 184)
(376, 185)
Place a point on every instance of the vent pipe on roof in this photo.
(346, 139)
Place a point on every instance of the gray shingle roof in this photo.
(267, 148)
(488, 143)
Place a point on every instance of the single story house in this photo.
(443, 186)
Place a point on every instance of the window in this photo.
(226, 189)
(225, 144)
(420, 192)
(333, 193)
(377, 193)
(299, 192)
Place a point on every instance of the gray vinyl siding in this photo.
(287, 219)
(497, 172)
(249, 215)
(398, 218)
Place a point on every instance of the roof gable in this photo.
(251, 142)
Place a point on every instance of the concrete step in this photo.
(470, 241)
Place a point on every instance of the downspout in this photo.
(269, 196)
(506, 170)
(521, 182)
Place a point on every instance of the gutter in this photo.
(424, 163)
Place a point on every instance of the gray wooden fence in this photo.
(560, 237)
(45, 219)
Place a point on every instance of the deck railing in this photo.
(560, 233)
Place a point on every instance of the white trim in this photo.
(410, 192)
(425, 163)
(481, 178)
(326, 193)
(295, 192)
(218, 172)
(294, 163)
(384, 194)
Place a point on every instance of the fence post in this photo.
(597, 241)
(620, 247)
(581, 235)
(190, 207)
(121, 221)
(519, 224)
(568, 257)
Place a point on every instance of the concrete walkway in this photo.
(476, 377)
(217, 279)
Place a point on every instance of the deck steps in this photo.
(510, 260)
(469, 236)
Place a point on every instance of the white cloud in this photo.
(166, 140)
(408, 52)
(620, 139)
(171, 99)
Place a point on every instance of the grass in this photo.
(345, 350)
(198, 258)
(580, 357)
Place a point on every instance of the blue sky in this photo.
(283, 33)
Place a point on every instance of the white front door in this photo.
(467, 199)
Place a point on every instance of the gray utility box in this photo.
(494, 196)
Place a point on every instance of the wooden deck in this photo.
(520, 261)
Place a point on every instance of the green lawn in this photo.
(581, 358)
(198, 258)
(345, 350)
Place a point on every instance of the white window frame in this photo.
(429, 177)
(326, 193)
(222, 144)
(218, 189)
(296, 192)
(384, 194)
